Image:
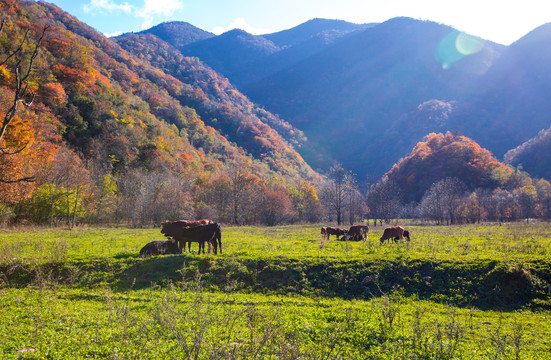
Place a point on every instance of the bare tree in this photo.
(354, 199)
(337, 176)
(241, 183)
(441, 201)
(22, 64)
(384, 200)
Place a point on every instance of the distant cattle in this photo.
(395, 233)
(160, 248)
(332, 231)
(357, 233)
(173, 227)
(209, 233)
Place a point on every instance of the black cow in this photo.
(160, 247)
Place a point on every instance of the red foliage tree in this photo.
(441, 156)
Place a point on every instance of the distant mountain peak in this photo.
(178, 33)
(311, 29)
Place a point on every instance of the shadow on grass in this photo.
(488, 285)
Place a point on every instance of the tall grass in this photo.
(186, 322)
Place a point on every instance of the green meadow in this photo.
(453, 292)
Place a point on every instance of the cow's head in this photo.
(167, 228)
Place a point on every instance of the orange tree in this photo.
(24, 142)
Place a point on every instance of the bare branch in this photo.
(23, 92)
(24, 179)
(5, 152)
(19, 47)
(23, 89)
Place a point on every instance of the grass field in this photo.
(453, 292)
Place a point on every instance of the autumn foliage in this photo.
(446, 155)
(141, 131)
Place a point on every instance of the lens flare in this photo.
(455, 46)
(467, 44)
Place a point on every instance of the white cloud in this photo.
(107, 5)
(240, 23)
(149, 11)
(116, 33)
(153, 8)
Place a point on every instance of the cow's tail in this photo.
(219, 237)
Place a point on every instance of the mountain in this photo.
(231, 51)
(244, 58)
(178, 33)
(218, 103)
(117, 109)
(510, 103)
(363, 95)
(328, 29)
(352, 99)
(356, 89)
(533, 155)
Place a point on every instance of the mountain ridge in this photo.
(363, 87)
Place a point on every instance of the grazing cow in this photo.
(395, 233)
(334, 231)
(210, 233)
(406, 235)
(357, 233)
(160, 248)
(171, 227)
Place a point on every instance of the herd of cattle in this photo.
(359, 232)
(203, 231)
(180, 232)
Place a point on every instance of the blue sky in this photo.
(502, 21)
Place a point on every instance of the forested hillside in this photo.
(510, 103)
(121, 139)
(533, 155)
(354, 89)
(450, 179)
(216, 101)
(442, 156)
(351, 95)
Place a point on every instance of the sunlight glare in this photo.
(455, 46)
(467, 44)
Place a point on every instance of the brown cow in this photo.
(210, 233)
(395, 233)
(160, 248)
(334, 231)
(357, 233)
(171, 227)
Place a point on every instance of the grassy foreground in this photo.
(458, 292)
